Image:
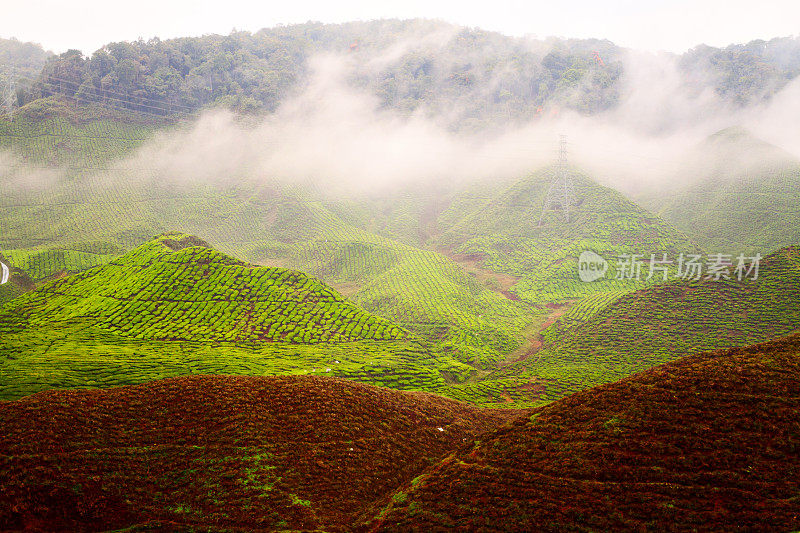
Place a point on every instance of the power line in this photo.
(75, 85)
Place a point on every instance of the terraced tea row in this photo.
(221, 452)
(514, 235)
(651, 326)
(173, 307)
(197, 293)
(707, 442)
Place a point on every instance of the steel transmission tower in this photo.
(562, 189)
(10, 93)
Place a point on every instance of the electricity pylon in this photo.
(10, 93)
(562, 189)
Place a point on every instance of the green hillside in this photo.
(60, 133)
(637, 330)
(741, 195)
(92, 216)
(477, 79)
(176, 288)
(174, 306)
(512, 234)
(468, 271)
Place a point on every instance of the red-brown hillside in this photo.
(220, 452)
(707, 443)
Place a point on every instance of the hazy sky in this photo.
(673, 25)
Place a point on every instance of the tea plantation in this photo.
(174, 306)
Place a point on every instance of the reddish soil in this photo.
(707, 443)
(220, 452)
(536, 343)
(472, 264)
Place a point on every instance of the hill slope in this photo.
(174, 306)
(741, 195)
(513, 235)
(93, 214)
(177, 288)
(705, 443)
(661, 323)
(229, 453)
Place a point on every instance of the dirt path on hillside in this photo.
(495, 281)
(536, 341)
(501, 284)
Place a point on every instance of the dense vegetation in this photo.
(742, 195)
(513, 235)
(18, 59)
(173, 306)
(631, 332)
(467, 288)
(470, 273)
(225, 453)
(485, 77)
(707, 442)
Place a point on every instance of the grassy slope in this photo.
(225, 453)
(421, 290)
(756, 213)
(504, 230)
(658, 324)
(86, 218)
(471, 324)
(194, 293)
(55, 132)
(741, 197)
(708, 442)
(158, 312)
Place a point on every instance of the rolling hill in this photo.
(512, 234)
(96, 211)
(178, 288)
(739, 194)
(604, 341)
(175, 306)
(220, 453)
(708, 442)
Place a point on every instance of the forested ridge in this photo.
(409, 65)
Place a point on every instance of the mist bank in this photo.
(475, 79)
(341, 139)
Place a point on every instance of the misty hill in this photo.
(489, 78)
(602, 340)
(740, 195)
(709, 441)
(79, 220)
(20, 59)
(53, 134)
(511, 234)
(226, 453)
(407, 64)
